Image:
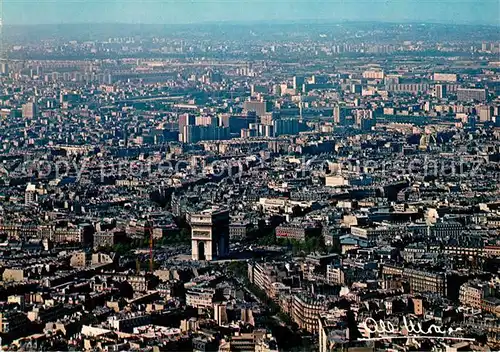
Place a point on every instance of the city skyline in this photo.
(229, 175)
(25, 12)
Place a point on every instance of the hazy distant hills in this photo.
(257, 30)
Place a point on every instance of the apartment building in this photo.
(472, 293)
(200, 297)
(419, 280)
(306, 312)
(262, 275)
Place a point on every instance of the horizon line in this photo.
(246, 22)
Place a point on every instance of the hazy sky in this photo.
(192, 11)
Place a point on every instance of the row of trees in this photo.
(310, 245)
(240, 269)
(177, 238)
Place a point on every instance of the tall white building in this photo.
(30, 195)
(30, 110)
